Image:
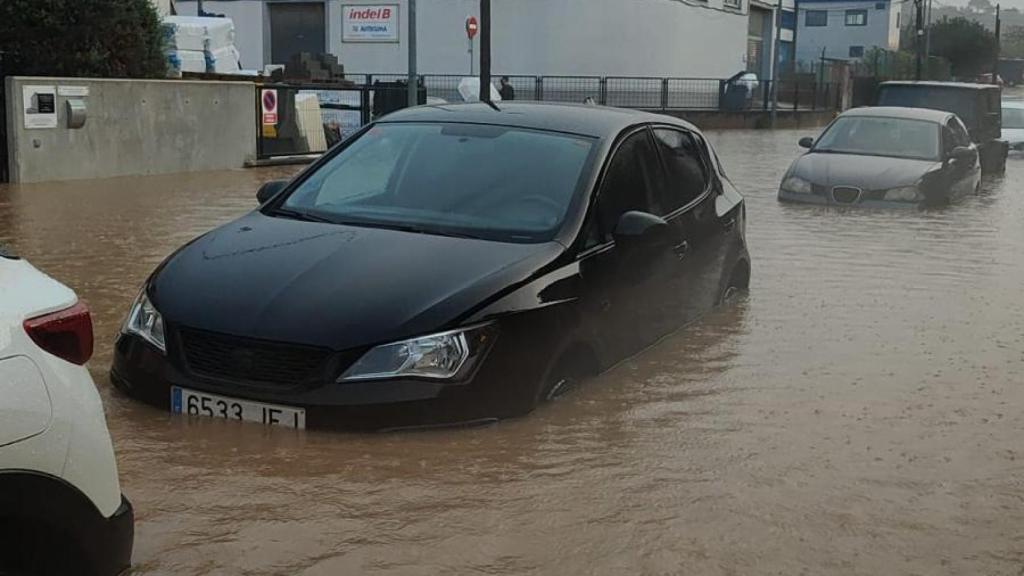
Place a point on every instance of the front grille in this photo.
(249, 360)
(845, 194)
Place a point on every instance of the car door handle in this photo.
(681, 249)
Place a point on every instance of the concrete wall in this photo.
(837, 37)
(135, 127)
(694, 38)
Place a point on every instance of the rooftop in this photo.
(586, 120)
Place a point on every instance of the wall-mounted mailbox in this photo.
(76, 112)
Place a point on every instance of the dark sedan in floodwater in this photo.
(885, 157)
(446, 264)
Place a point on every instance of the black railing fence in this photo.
(312, 117)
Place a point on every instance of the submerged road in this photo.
(860, 412)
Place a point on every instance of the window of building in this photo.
(816, 18)
(856, 17)
(879, 5)
(737, 4)
(899, 20)
(856, 51)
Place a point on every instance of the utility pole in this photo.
(995, 65)
(485, 50)
(414, 88)
(928, 42)
(777, 42)
(918, 44)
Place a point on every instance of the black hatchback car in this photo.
(446, 264)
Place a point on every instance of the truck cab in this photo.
(979, 106)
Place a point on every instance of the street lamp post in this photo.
(414, 98)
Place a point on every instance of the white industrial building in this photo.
(663, 38)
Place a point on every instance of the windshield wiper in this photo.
(411, 228)
(296, 215)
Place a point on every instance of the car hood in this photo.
(332, 285)
(865, 172)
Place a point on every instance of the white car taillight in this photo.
(66, 334)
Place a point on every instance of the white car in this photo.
(61, 507)
(1013, 123)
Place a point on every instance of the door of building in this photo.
(756, 40)
(296, 27)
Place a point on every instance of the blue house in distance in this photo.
(845, 29)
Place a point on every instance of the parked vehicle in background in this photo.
(61, 508)
(977, 105)
(447, 264)
(1013, 123)
(1011, 70)
(885, 157)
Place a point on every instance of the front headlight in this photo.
(796, 185)
(903, 194)
(437, 356)
(145, 322)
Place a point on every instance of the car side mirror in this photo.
(640, 228)
(270, 189)
(963, 154)
(806, 142)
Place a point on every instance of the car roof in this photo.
(926, 114)
(588, 120)
(936, 84)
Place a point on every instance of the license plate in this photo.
(185, 401)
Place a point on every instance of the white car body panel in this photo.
(60, 430)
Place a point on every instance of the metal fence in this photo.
(313, 116)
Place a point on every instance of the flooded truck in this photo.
(978, 105)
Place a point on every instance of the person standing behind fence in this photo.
(506, 91)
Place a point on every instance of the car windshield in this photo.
(878, 136)
(485, 181)
(1013, 118)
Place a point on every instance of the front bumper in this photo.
(496, 388)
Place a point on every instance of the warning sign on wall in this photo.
(268, 100)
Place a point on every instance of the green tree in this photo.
(98, 38)
(969, 46)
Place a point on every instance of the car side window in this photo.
(685, 174)
(963, 138)
(626, 185)
(954, 134)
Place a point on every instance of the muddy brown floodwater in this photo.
(859, 413)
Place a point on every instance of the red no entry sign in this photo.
(269, 100)
(472, 27)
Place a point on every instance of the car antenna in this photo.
(485, 54)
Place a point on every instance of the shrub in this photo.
(95, 38)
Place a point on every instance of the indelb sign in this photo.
(369, 23)
(472, 27)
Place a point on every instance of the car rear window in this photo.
(961, 102)
(7, 252)
(1013, 118)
